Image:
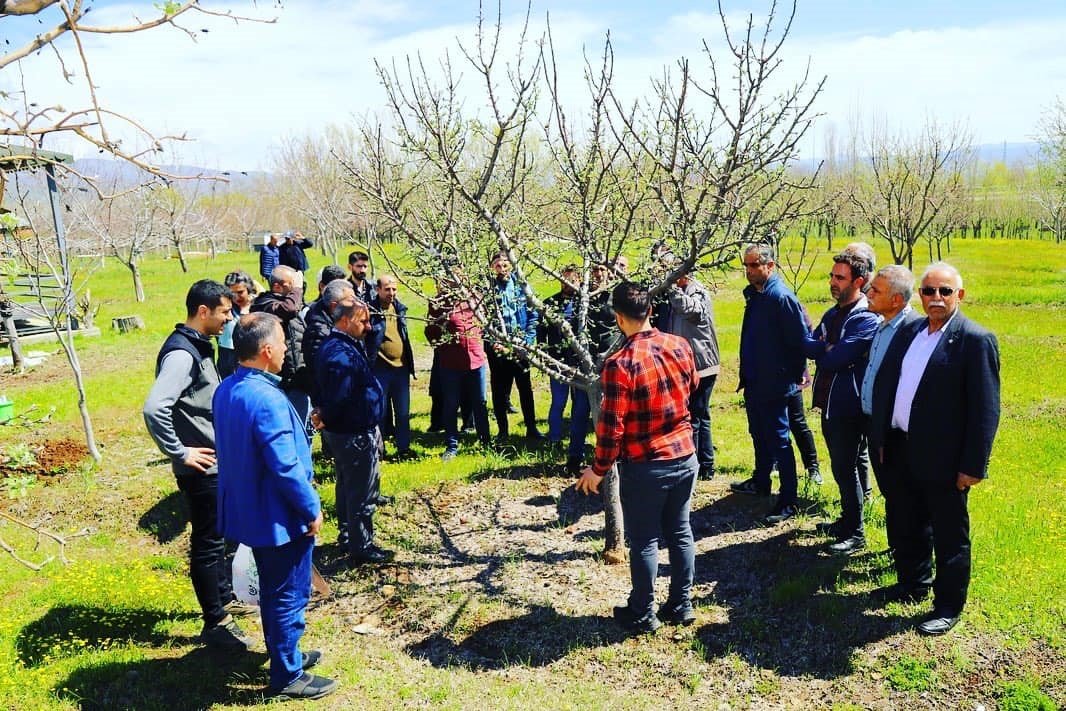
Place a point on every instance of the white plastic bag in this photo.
(245, 576)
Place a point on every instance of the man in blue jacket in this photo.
(266, 500)
(350, 406)
(771, 366)
(840, 346)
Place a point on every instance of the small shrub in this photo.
(1023, 696)
(910, 674)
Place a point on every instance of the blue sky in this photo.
(991, 66)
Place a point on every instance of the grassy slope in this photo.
(126, 599)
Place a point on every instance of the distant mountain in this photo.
(1009, 153)
(104, 171)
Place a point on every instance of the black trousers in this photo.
(801, 431)
(208, 568)
(844, 439)
(504, 372)
(932, 521)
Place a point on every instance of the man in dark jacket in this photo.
(178, 415)
(285, 300)
(269, 257)
(771, 366)
(507, 361)
(933, 433)
(388, 348)
(291, 252)
(318, 321)
(350, 407)
(839, 347)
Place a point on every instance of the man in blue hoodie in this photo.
(840, 346)
(771, 365)
(266, 500)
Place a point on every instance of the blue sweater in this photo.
(265, 496)
(350, 398)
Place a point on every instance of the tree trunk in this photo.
(181, 258)
(614, 544)
(7, 313)
(138, 286)
(67, 339)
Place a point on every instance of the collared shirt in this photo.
(646, 388)
(911, 372)
(886, 331)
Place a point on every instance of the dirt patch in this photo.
(46, 461)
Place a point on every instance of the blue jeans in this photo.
(580, 410)
(768, 427)
(356, 458)
(699, 408)
(284, 589)
(396, 384)
(656, 497)
(464, 386)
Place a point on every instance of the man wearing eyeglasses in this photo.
(935, 431)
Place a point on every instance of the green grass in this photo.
(83, 634)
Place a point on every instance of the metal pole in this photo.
(61, 239)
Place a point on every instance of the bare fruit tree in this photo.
(905, 181)
(1049, 189)
(697, 166)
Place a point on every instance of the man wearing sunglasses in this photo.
(935, 431)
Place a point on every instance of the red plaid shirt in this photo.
(646, 388)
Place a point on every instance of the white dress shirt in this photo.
(911, 372)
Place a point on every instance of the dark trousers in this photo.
(506, 372)
(768, 427)
(459, 387)
(396, 382)
(210, 572)
(699, 410)
(656, 499)
(436, 399)
(889, 484)
(284, 589)
(933, 520)
(844, 439)
(356, 458)
(580, 409)
(801, 431)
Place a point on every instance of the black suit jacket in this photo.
(955, 411)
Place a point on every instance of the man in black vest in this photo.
(285, 300)
(178, 415)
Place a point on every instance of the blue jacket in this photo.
(265, 496)
(845, 363)
(518, 318)
(771, 342)
(350, 398)
(269, 257)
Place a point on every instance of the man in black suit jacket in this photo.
(933, 432)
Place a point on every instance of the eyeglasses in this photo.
(752, 265)
(943, 290)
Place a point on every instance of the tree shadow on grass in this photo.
(199, 679)
(784, 611)
(166, 520)
(537, 638)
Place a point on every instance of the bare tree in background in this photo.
(698, 166)
(1049, 190)
(905, 181)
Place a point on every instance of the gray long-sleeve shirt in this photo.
(175, 375)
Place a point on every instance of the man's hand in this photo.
(315, 526)
(965, 481)
(589, 483)
(316, 420)
(200, 458)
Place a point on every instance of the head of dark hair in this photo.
(251, 332)
(858, 264)
(358, 256)
(331, 272)
(240, 277)
(206, 292)
(498, 256)
(631, 300)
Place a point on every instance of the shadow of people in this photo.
(166, 520)
(537, 638)
(782, 608)
(199, 679)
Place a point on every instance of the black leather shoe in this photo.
(848, 546)
(535, 436)
(682, 615)
(385, 500)
(780, 512)
(940, 622)
(707, 472)
(372, 555)
(631, 623)
(748, 486)
(899, 593)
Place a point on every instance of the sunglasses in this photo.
(943, 290)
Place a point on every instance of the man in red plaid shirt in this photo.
(644, 424)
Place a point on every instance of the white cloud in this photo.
(242, 87)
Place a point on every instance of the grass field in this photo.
(500, 602)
